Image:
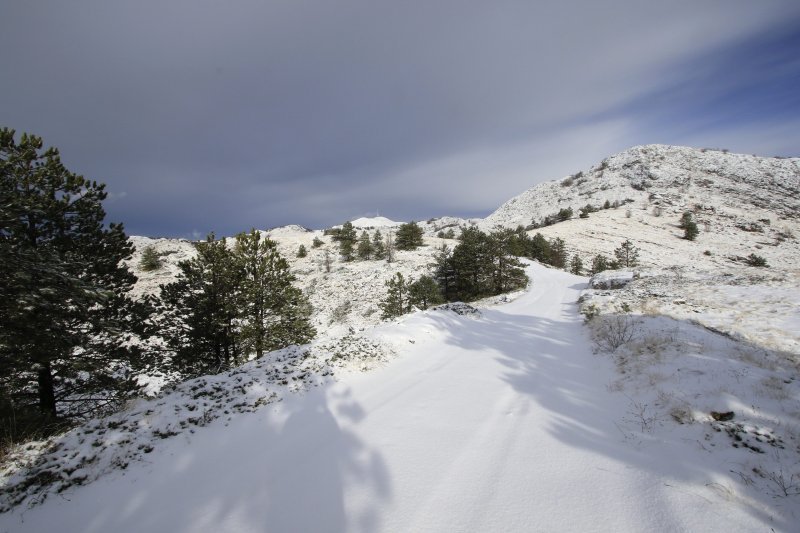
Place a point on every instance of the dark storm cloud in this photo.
(224, 115)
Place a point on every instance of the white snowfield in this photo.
(501, 422)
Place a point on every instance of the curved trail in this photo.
(501, 423)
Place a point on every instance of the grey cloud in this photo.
(225, 115)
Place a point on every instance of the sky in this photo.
(203, 115)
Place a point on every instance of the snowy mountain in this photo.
(515, 414)
(672, 177)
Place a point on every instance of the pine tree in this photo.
(273, 312)
(67, 324)
(627, 254)
(409, 236)
(506, 271)
(686, 218)
(317, 242)
(599, 264)
(347, 241)
(364, 249)
(576, 265)
(690, 231)
(539, 249)
(201, 311)
(150, 260)
(378, 246)
(558, 253)
(396, 302)
(302, 252)
(444, 272)
(424, 293)
(450, 234)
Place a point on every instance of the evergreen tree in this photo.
(409, 236)
(66, 321)
(273, 313)
(450, 234)
(558, 253)
(150, 260)
(201, 309)
(469, 265)
(444, 272)
(539, 249)
(317, 242)
(424, 293)
(690, 231)
(302, 252)
(364, 250)
(378, 246)
(481, 265)
(347, 241)
(397, 301)
(686, 218)
(627, 254)
(599, 264)
(506, 271)
(576, 265)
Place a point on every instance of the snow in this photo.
(504, 421)
(373, 222)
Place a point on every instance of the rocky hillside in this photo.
(670, 177)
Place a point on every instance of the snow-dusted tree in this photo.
(397, 301)
(347, 241)
(409, 236)
(201, 309)
(627, 254)
(273, 312)
(317, 242)
(364, 249)
(301, 251)
(599, 263)
(66, 320)
(576, 265)
(150, 260)
(378, 246)
(444, 272)
(558, 253)
(424, 293)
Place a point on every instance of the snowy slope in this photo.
(670, 176)
(502, 422)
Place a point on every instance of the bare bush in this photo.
(612, 331)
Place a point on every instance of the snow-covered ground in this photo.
(501, 420)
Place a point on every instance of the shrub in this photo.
(756, 261)
(690, 231)
(302, 252)
(612, 331)
(317, 242)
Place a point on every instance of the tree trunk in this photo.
(47, 393)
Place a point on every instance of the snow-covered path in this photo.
(499, 423)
